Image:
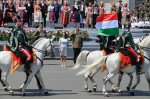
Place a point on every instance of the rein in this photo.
(42, 50)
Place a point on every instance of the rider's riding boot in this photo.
(138, 68)
(27, 67)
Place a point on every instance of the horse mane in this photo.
(39, 42)
(35, 42)
(145, 42)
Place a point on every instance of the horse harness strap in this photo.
(88, 54)
(42, 50)
(147, 58)
(41, 61)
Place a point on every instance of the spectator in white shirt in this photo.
(141, 23)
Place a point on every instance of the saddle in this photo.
(108, 51)
(129, 53)
(16, 60)
(127, 58)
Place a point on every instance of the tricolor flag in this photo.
(107, 24)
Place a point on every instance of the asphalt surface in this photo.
(64, 84)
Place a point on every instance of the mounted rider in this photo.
(18, 44)
(126, 41)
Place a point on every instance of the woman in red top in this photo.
(89, 15)
(65, 14)
(75, 17)
(101, 9)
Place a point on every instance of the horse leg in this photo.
(21, 86)
(147, 75)
(130, 83)
(41, 82)
(86, 83)
(119, 81)
(28, 80)
(94, 83)
(137, 82)
(3, 84)
(4, 79)
(38, 82)
(114, 88)
(105, 79)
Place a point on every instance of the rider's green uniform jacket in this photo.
(125, 39)
(19, 35)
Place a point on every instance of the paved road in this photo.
(64, 84)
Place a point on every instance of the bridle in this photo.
(144, 48)
(43, 52)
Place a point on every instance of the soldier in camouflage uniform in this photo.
(39, 33)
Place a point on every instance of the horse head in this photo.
(51, 48)
(145, 43)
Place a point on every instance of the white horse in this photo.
(40, 48)
(112, 65)
(86, 58)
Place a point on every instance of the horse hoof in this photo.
(5, 89)
(89, 91)
(23, 94)
(106, 94)
(120, 91)
(11, 93)
(40, 88)
(94, 89)
(114, 89)
(20, 89)
(132, 93)
(128, 88)
(46, 93)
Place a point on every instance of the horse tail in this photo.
(93, 66)
(81, 59)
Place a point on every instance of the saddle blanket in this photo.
(103, 66)
(105, 53)
(16, 61)
(125, 61)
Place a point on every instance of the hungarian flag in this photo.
(107, 24)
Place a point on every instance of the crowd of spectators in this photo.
(51, 11)
(140, 17)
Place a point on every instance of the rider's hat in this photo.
(19, 23)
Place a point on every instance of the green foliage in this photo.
(4, 35)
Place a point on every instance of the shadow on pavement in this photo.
(37, 92)
(125, 93)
